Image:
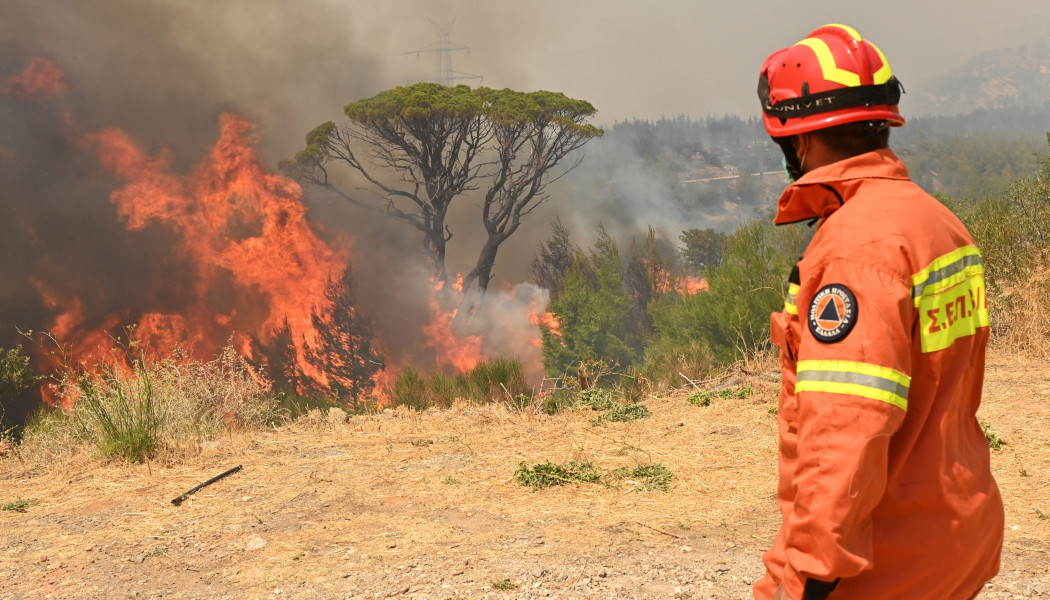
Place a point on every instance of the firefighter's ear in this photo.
(801, 142)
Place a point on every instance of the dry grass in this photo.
(179, 402)
(375, 494)
(1021, 316)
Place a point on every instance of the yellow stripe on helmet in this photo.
(828, 67)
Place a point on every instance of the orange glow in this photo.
(691, 285)
(235, 223)
(41, 80)
(461, 353)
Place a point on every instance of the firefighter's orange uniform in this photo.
(885, 486)
(884, 469)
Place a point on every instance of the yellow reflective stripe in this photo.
(791, 302)
(854, 378)
(884, 73)
(946, 271)
(830, 69)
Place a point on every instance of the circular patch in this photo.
(832, 313)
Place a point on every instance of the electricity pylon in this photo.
(443, 49)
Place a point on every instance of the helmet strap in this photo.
(792, 165)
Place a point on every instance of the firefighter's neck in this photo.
(813, 152)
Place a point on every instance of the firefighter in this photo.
(885, 487)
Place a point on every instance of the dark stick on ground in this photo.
(187, 494)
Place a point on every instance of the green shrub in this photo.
(596, 399)
(441, 389)
(559, 400)
(731, 320)
(667, 363)
(646, 477)
(21, 505)
(498, 380)
(409, 389)
(622, 412)
(704, 397)
(994, 441)
(701, 398)
(121, 411)
(15, 372)
(593, 309)
(548, 474)
(495, 380)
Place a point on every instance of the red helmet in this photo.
(830, 78)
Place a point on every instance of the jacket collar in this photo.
(819, 193)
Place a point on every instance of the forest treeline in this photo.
(619, 302)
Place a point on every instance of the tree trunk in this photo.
(482, 271)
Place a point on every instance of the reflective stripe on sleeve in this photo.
(950, 297)
(946, 271)
(790, 304)
(854, 378)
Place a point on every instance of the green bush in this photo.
(499, 380)
(121, 411)
(994, 441)
(622, 412)
(593, 309)
(646, 477)
(559, 400)
(731, 320)
(667, 363)
(548, 474)
(15, 372)
(704, 397)
(596, 398)
(410, 389)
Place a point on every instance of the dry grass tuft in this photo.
(154, 409)
(1021, 315)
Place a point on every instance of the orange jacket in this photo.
(884, 477)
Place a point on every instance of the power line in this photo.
(442, 50)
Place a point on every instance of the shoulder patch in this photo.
(832, 313)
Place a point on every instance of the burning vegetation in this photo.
(194, 260)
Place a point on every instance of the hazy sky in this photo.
(669, 57)
(162, 68)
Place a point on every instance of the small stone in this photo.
(255, 542)
(687, 548)
(138, 559)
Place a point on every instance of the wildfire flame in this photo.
(236, 255)
(239, 226)
(691, 285)
(460, 353)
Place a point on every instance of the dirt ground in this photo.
(425, 505)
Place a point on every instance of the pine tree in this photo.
(279, 361)
(343, 351)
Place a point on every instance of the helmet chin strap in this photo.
(792, 165)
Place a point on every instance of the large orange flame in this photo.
(242, 229)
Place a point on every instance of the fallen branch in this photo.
(187, 494)
(658, 530)
(693, 383)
